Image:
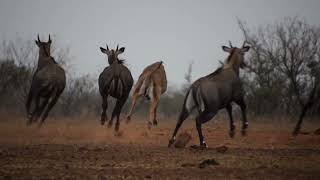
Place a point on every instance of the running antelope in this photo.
(152, 83)
(216, 91)
(314, 96)
(115, 80)
(49, 81)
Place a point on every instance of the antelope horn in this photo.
(39, 38)
(117, 47)
(244, 43)
(230, 44)
(49, 38)
(107, 47)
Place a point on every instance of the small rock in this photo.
(222, 149)
(196, 147)
(208, 162)
(187, 165)
(101, 177)
(276, 166)
(317, 132)
(105, 165)
(262, 167)
(182, 140)
(304, 132)
(148, 176)
(6, 177)
(83, 148)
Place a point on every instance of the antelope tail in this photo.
(145, 87)
(188, 105)
(116, 86)
(193, 100)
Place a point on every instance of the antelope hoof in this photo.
(29, 122)
(103, 119)
(155, 122)
(128, 119)
(203, 146)
(171, 141)
(243, 132)
(296, 131)
(232, 133)
(110, 124)
(245, 125)
(147, 97)
(149, 125)
(40, 125)
(117, 127)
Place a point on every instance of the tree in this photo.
(188, 78)
(278, 61)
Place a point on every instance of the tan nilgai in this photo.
(152, 83)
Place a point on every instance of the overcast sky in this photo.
(176, 32)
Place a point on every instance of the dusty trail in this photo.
(72, 150)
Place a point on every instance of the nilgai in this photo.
(216, 91)
(49, 81)
(152, 83)
(314, 96)
(115, 80)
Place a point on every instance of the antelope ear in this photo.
(49, 41)
(245, 49)
(121, 50)
(103, 50)
(226, 49)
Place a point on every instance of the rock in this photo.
(222, 149)
(208, 162)
(5, 177)
(261, 167)
(197, 147)
(83, 148)
(182, 140)
(187, 165)
(148, 176)
(105, 165)
(304, 132)
(317, 132)
(102, 177)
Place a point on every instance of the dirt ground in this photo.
(82, 149)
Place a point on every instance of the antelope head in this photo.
(113, 54)
(236, 56)
(44, 47)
